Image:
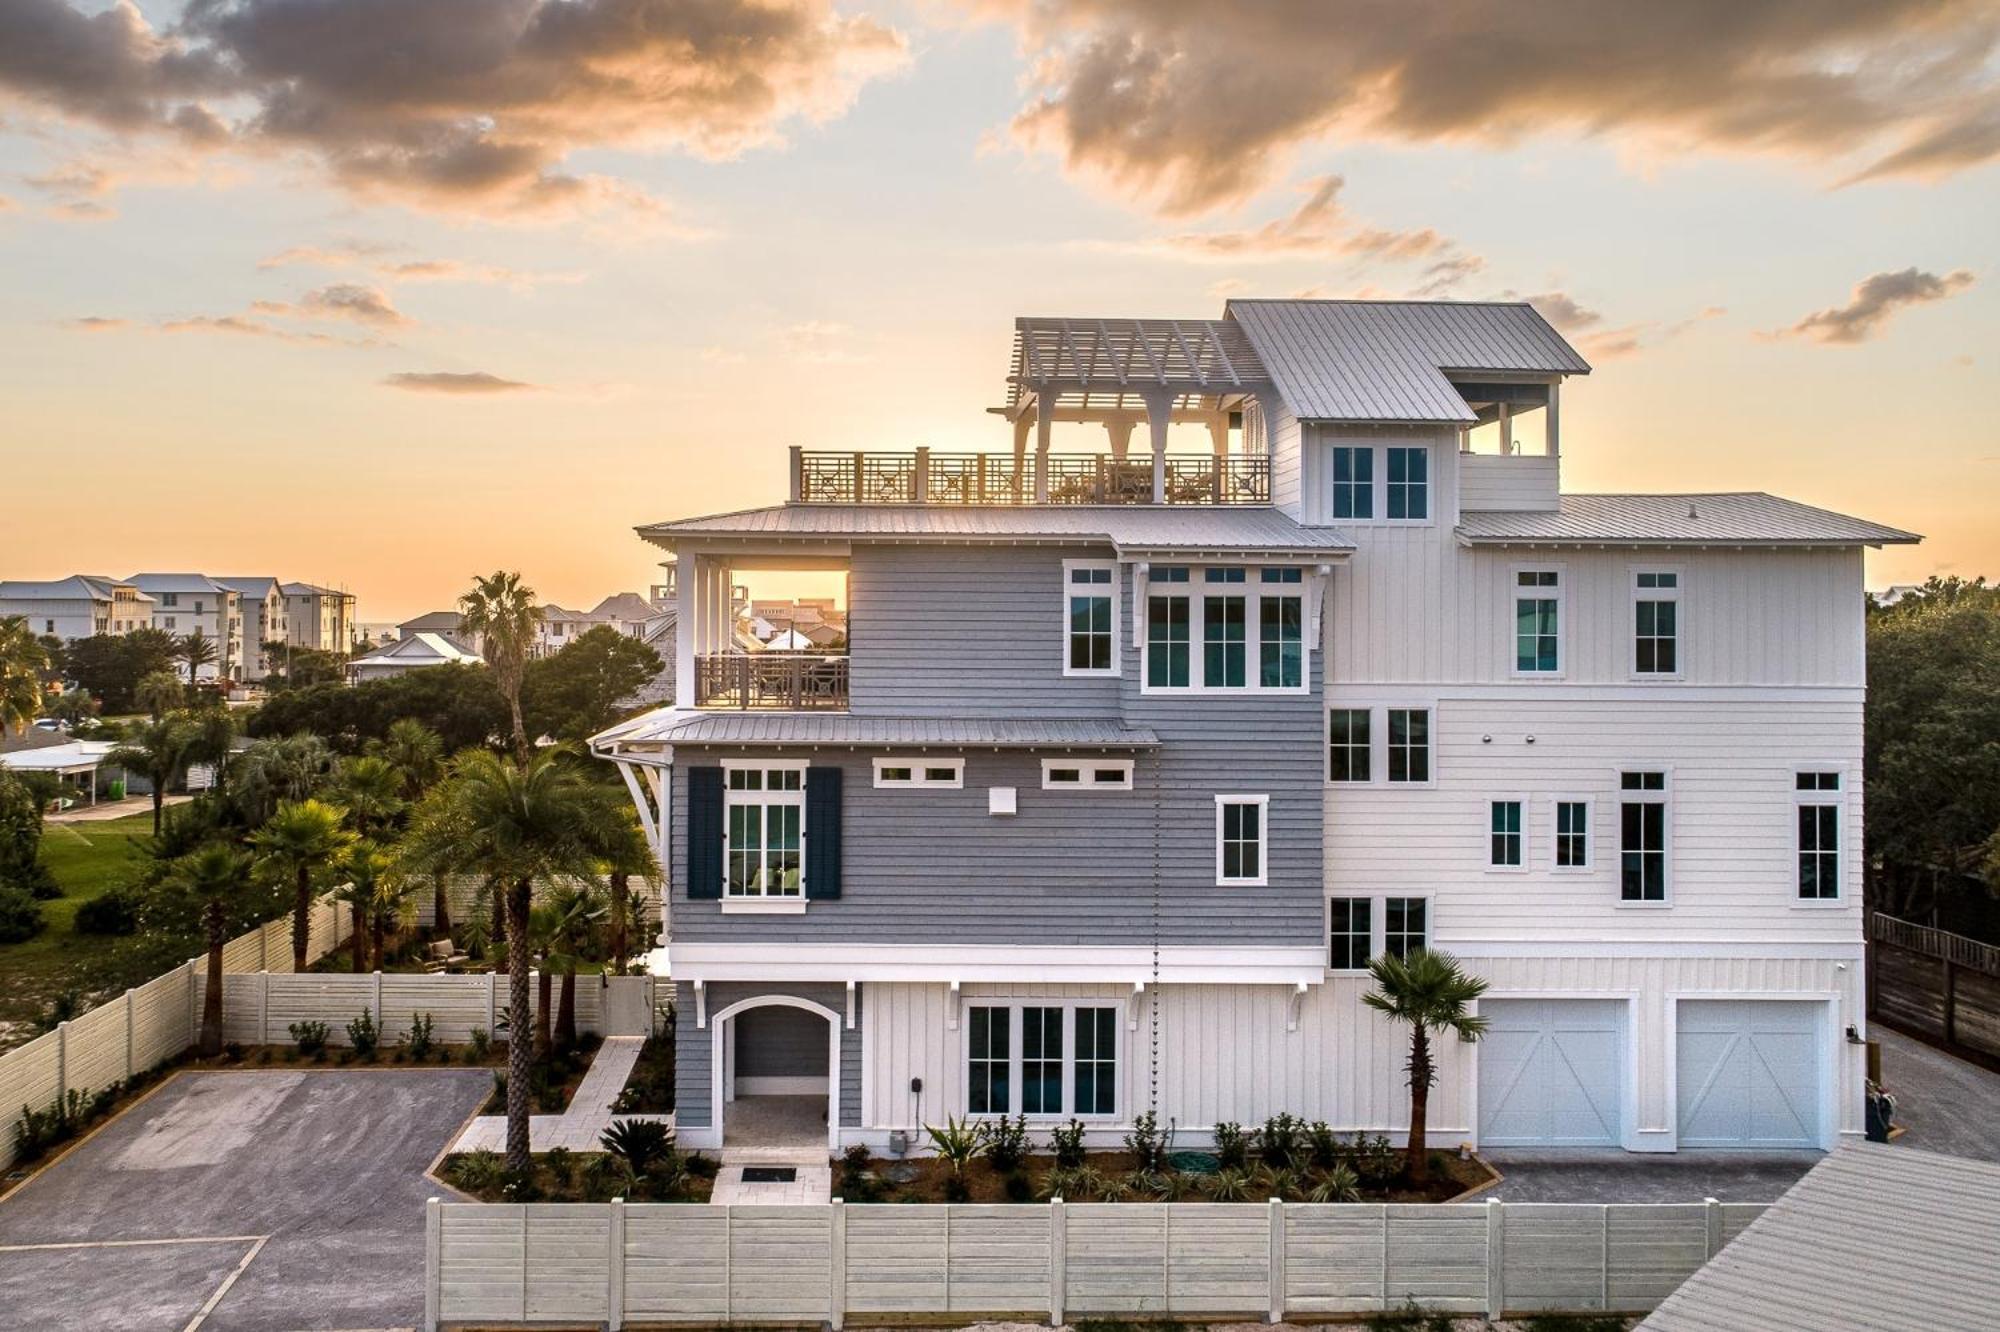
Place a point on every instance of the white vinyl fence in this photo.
(662, 1262)
(259, 1009)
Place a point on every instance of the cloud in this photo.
(1873, 303)
(464, 383)
(1318, 226)
(346, 300)
(1186, 108)
(467, 105)
(95, 324)
(339, 254)
(373, 257)
(1598, 341)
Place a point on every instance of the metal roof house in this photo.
(1259, 646)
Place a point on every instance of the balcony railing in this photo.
(924, 477)
(771, 681)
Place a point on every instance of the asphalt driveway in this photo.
(255, 1201)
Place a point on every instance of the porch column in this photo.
(1045, 419)
(1120, 428)
(1159, 415)
(1506, 428)
(1218, 433)
(1553, 423)
(1022, 424)
(687, 584)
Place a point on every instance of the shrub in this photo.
(1006, 1143)
(1376, 1160)
(474, 1172)
(1337, 1185)
(1276, 1182)
(417, 1041)
(561, 1162)
(1231, 1185)
(1018, 1189)
(20, 915)
(604, 1178)
(1147, 1144)
(1322, 1146)
(1282, 1141)
(1232, 1146)
(310, 1038)
(60, 1121)
(112, 913)
(638, 1142)
(478, 1045)
(1412, 1317)
(363, 1036)
(1067, 1142)
(520, 1186)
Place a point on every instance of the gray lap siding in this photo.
(694, 1058)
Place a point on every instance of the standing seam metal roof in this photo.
(1697, 519)
(668, 726)
(1136, 527)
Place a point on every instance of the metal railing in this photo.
(771, 681)
(924, 477)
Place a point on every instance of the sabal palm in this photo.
(158, 693)
(577, 914)
(302, 839)
(196, 650)
(371, 790)
(216, 880)
(1432, 993)
(415, 752)
(281, 768)
(627, 853)
(23, 658)
(383, 900)
(214, 739)
(500, 611)
(159, 751)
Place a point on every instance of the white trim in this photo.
(1630, 1134)
(1263, 875)
(1516, 593)
(1015, 1042)
(1251, 589)
(1634, 594)
(1368, 750)
(721, 1057)
(1027, 963)
(1087, 770)
(1664, 946)
(1430, 711)
(1524, 855)
(788, 905)
(1666, 799)
(1827, 1038)
(1430, 488)
(1837, 798)
(1111, 590)
(1590, 833)
(920, 767)
(774, 1086)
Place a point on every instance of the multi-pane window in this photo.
(1642, 836)
(1537, 621)
(1572, 834)
(1224, 652)
(1347, 745)
(1505, 849)
(1093, 615)
(1351, 933)
(1404, 921)
(765, 809)
(1656, 615)
(1409, 744)
(1239, 839)
(1041, 1061)
(899, 772)
(1168, 640)
(1353, 482)
(1409, 473)
(989, 1065)
(1064, 1063)
(1818, 796)
(1086, 775)
(1096, 1061)
(1281, 649)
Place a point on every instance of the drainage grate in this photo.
(770, 1174)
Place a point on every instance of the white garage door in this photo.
(1748, 1073)
(1551, 1072)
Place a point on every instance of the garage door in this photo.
(1551, 1072)
(1748, 1073)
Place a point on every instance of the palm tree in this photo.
(272, 771)
(301, 839)
(159, 692)
(630, 854)
(576, 920)
(195, 651)
(214, 734)
(216, 880)
(370, 789)
(1430, 992)
(430, 850)
(23, 658)
(500, 611)
(382, 900)
(159, 751)
(519, 825)
(415, 752)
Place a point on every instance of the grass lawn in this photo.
(87, 859)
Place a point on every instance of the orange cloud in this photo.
(466, 383)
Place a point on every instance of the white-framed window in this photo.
(764, 812)
(1353, 482)
(1225, 628)
(941, 773)
(1818, 795)
(1538, 598)
(1406, 925)
(1408, 486)
(1090, 617)
(1241, 839)
(1068, 774)
(1409, 741)
(1350, 929)
(1571, 833)
(1643, 830)
(1347, 746)
(170, 621)
(1043, 1059)
(1169, 628)
(1364, 926)
(1656, 623)
(1507, 834)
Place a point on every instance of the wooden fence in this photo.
(1934, 984)
(615, 1263)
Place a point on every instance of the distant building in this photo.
(80, 606)
(319, 617)
(264, 624)
(627, 612)
(413, 652)
(445, 624)
(191, 603)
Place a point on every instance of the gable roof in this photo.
(668, 726)
(1729, 518)
(77, 587)
(419, 648)
(176, 582)
(622, 606)
(256, 588)
(310, 590)
(1385, 361)
(443, 621)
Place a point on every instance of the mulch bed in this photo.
(922, 1180)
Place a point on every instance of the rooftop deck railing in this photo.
(924, 477)
(771, 681)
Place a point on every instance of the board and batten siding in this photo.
(1286, 437)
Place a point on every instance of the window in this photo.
(1506, 850)
(1818, 797)
(1347, 745)
(1351, 931)
(1087, 775)
(1281, 630)
(1409, 744)
(1065, 1063)
(1353, 482)
(899, 772)
(1537, 621)
(765, 810)
(170, 598)
(1642, 837)
(1656, 613)
(1409, 483)
(1572, 834)
(1168, 659)
(170, 621)
(1223, 659)
(1403, 925)
(49, 626)
(1239, 839)
(1091, 630)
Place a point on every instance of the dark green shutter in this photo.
(822, 833)
(704, 845)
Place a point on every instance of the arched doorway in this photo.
(776, 1062)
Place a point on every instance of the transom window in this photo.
(1818, 797)
(1537, 621)
(765, 811)
(1347, 745)
(1656, 615)
(1240, 839)
(1505, 843)
(1409, 483)
(1572, 834)
(1064, 1062)
(1091, 626)
(1233, 615)
(1086, 774)
(1642, 837)
(903, 772)
(1353, 482)
(1409, 744)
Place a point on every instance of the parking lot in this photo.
(255, 1201)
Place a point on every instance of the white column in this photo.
(1506, 428)
(1553, 426)
(687, 577)
(1159, 415)
(1218, 433)
(1120, 428)
(1045, 419)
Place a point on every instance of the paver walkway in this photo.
(774, 1131)
(580, 1127)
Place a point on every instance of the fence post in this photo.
(381, 1018)
(433, 1253)
(614, 1282)
(131, 1037)
(491, 1031)
(263, 1008)
(836, 1272)
(1604, 1256)
(193, 1006)
(62, 1062)
(1276, 1312)
(1496, 1258)
(1058, 1260)
(1714, 1226)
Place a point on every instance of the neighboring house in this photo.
(443, 623)
(319, 617)
(627, 612)
(80, 606)
(79, 764)
(412, 652)
(187, 603)
(1135, 758)
(559, 628)
(264, 621)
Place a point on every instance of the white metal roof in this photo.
(1386, 360)
(1874, 1236)
(417, 648)
(668, 726)
(256, 587)
(77, 587)
(1134, 530)
(176, 582)
(1744, 517)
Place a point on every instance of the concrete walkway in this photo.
(114, 809)
(580, 1127)
(784, 1131)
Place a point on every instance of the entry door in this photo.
(1748, 1073)
(1551, 1072)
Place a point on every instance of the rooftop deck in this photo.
(924, 477)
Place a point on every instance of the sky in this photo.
(379, 295)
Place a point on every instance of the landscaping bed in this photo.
(552, 1079)
(650, 1088)
(664, 1175)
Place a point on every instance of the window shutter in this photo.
(822, 833)
(704, 844)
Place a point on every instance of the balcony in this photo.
(771, 681)
(924, 477)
